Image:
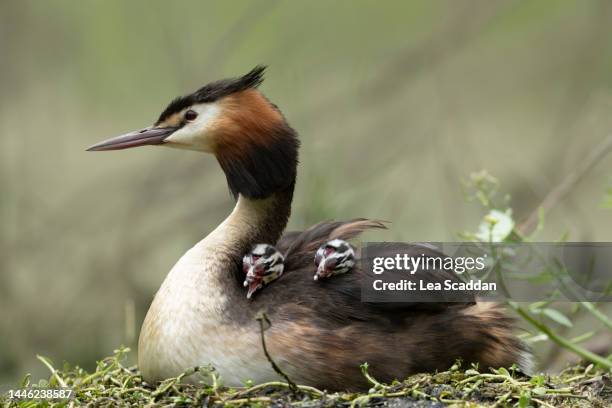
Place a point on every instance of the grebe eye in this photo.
(191, 115)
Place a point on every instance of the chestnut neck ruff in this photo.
(262, 178)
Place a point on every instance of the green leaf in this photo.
(557, 316)
(539, 390)
(538, 305)
(582, 337)
(26, 381)
(503, 371)
(524, 400)
(538, 380)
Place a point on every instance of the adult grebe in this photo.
(321, 331)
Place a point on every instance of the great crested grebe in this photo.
(320, 333)
(262, 265)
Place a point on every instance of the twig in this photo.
(566, 395)
(53, 371)
(303, 388)
(365, 398)
(292, 386)
(580, 376)
(572, 179)
(251, 399)
(372, 380)
(494, 377)
(542, 403)
(502, 399)
(172, 381)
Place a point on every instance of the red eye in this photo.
(191, 115)
(328, 251)
(256, 257)
(245, 267)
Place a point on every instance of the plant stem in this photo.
(292, 386)
(53, 371)
(595, 312)
(562, 341)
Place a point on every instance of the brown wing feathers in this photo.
(351, 229)
(427, 336)
(299, 247)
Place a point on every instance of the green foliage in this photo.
(498, 226)
(115, 384)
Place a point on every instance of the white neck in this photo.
(203, 296)
(209, 264)
(242, 223)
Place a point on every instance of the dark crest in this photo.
(215, 90)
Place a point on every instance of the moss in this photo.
(114, 384)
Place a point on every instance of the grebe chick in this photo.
(334, 257)
(262, 265)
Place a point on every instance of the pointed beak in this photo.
(253, 286)
(321, 272)
(144, 137)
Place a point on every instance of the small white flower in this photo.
(496, 226)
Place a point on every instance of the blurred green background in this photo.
(395, 102)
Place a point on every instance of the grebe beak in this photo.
(144, 137)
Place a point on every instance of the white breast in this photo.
(185, 328)
(187, 324)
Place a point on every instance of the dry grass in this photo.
(114, 384)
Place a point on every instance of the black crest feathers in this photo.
(215, 90)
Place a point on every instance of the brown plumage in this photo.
(299, 246)
(322, 336)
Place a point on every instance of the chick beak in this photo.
(253, 286)
(144, 137)
(321, 272)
